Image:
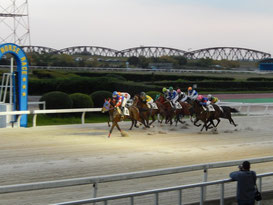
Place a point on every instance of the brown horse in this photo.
(187, 110)
(168, 109)
(206, 116)
(115, 115)
(150, 112)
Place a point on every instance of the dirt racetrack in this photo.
(62, 152)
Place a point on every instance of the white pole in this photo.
(11, 82)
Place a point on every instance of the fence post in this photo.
(202, 195)
(260, 188)
(95, 186)
(222, 194)
(34, 120)
(180, 196)
(156, 198)
(205, 179)
(83, 117)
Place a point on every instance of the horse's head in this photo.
(106, 106)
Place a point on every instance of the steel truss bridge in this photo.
(216, 53)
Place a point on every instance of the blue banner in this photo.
(22, 69)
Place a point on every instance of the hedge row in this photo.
(220, 86)
(86, 85)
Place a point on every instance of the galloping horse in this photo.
(226, 114)
(206, 116)
(187, 109)
(149, 112)
(168, 108)
(115, 115)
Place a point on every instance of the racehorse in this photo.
(115, 115)
(206, 116)
(170, 111)
(145, 112)
(149, 112)
(187, 109)
(226, 114)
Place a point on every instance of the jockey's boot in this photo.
(122, 113)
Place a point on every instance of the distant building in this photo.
(266, 64)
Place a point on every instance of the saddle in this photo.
(208, 108)
(154, 106)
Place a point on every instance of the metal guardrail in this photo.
(125, 176)
(156, 192)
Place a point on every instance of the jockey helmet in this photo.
(200, 97)
(115, 94)
(209, 96)
(142, 94)
(178, 90)
(164, 90)
(189, 88)
(171, 88)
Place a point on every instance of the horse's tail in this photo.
(234, 110)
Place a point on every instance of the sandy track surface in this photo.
(62, 152)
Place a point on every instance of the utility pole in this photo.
(14, 22)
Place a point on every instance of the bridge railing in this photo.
(127, 176)
(179, 189)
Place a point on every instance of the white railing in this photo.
(156, 192)
(36, 112)
(251, 108)
(243, 108)
(126, 176)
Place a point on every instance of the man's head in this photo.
(246, 165)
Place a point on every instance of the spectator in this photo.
(246, 182)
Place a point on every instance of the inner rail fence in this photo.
(94, 181)
(179, 189)
(243, 108)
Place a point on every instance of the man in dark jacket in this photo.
(246, 184)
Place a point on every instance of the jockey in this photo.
(192, 93)
(172, 96)
(147, 99)
(212, 99)
(182, 97)
(165, 92)
(203, 101)
(121, 99)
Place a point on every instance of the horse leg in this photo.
(195, 121)
(132, 125)
(118, 127)
(113, 125)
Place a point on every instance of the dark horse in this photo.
(170, 111)
(226, 114)
(116, 117)
(147, 112)
(206, 116)
(187, 110)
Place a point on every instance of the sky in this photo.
(182, 24)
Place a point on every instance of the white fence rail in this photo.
(36, 112)
(156, 192)
(127, 176)
(244, 108)
(251, 108)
